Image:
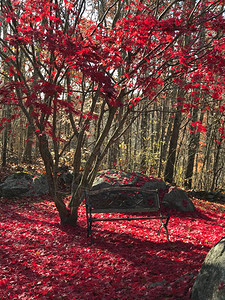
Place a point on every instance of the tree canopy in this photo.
(92, 64)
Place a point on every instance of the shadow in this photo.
(125, 262)
(109, 239)
(209, 283)
(197, 214)
(169, 267)
(35, 215)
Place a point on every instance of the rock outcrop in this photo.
(173, 198)
(179, 200)
(23, 185)
(210, 282)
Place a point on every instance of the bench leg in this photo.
(164, 225)
(89, 229)
(89, 223)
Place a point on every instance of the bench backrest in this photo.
(122, 199)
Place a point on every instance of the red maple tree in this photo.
(59, 61)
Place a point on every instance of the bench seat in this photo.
(125, 200)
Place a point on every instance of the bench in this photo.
(124, 200)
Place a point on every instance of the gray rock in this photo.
(100, 183)
(16, 185)
(121, 178)
(155, 185)
(22, 185)
(214, 196)
(210, 282)
(211, 197)
(154, 284)
(66, 177)
(113, 177)
(38, 187)
(178, 199)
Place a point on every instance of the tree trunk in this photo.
(162, 140)
(89, 172)
(66, 216)
(192, 151)
(169, 170)
(6, 108)
(4, 146)
(27, 154)
(215, 165)
(144, 129)
(113, 156)
(48, 162)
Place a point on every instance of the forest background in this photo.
(132, 85)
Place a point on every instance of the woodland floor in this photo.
(40, 259)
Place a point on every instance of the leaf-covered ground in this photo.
(40, 259)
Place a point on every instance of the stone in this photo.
(111, 177)
(16, 185)
(213, 196)
(155, 185)
(198, 194)
(100, 183)
(210, 282)
(38, 187)
(179, 200)
(24, 185)
(66, 178)
(158, 283)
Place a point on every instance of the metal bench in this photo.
(125, 200)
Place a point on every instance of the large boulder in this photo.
(212, 196)
(210, 282)
(39, 186)
(113, 177)
(16, 185)
(100, 183)
(108, 178)
(178, 199)
(155, 185)
(23, 185)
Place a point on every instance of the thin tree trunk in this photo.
(4, 146)
(162, 140)
(144, 133)
(51, 174)
(215, 165)
(5, 136)
(27, 154)
(6, 108)
(169, 169)
(192, 151)
(85, 179)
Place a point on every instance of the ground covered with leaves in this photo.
(41, 259)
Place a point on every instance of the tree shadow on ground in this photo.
(172, 266)
(121, 265)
